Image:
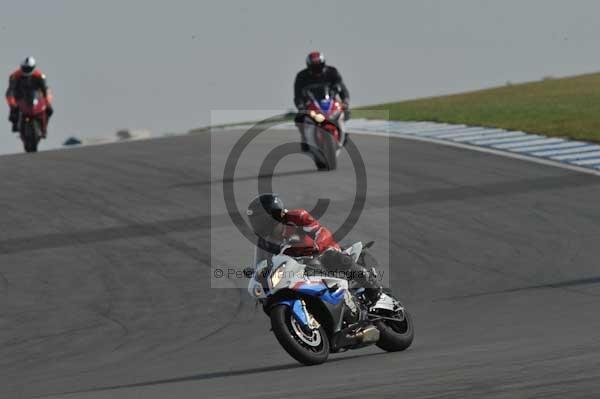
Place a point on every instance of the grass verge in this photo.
(565, 107)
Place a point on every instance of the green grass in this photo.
(566, 107)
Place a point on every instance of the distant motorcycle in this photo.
(323, 125)
(313, 314)
(32, 119)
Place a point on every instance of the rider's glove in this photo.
(49, 110)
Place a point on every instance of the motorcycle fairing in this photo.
(33, 107)
(354, 250)
(386, 302)
(296, 286)
(297, 309)
(318, 289)
(333, 301)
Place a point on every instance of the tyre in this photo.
(308, 349)
(30, 136)
(33, 145)
(321, 165)
(330, 152)
(396, 336)
(319, 158)
(26, 146)
(325, 155)
(36, 136)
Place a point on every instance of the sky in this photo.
(164, 66)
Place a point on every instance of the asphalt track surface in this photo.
(105, 274)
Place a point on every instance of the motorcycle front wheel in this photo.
(30, 136)
(307, 347)
(328, 149)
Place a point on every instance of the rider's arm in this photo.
(45, 89)
(298, 96)
(10, 93)
(322, 237)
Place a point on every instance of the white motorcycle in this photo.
(313, 314)
(323, 126)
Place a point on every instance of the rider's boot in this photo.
(354, 272)
(373, 290)
(368, 280)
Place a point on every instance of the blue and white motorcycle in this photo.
(313, 314)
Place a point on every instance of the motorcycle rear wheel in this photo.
(307, 349)
(396, 336)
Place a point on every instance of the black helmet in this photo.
(264, 213)
(315, 62)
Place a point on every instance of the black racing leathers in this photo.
(306, 78)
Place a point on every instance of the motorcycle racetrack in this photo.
(105, 273)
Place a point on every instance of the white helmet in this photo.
(28, 66)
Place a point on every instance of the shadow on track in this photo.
(247, 178)
(216, 374)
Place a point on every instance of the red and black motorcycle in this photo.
(323, 127)
(33, 119)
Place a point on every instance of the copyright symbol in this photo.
(218, 273)
(267, 168)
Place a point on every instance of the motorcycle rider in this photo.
(317, 72)
(21, 81)
(277, 227)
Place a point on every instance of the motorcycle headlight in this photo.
(277, 275)
(257, 291)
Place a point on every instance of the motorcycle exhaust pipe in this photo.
(353, 338)
(368, 335)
